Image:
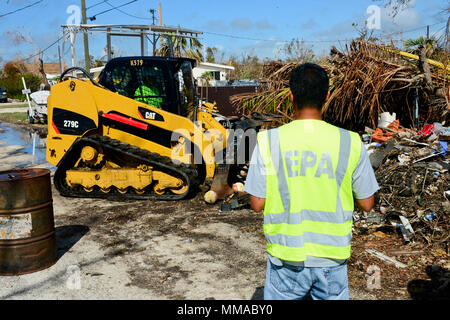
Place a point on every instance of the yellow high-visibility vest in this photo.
(309, 198)
(148, 96)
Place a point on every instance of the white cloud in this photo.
(338, 31)
(242, 24)
(405, 19)
(310, 24)
(215, 25)
(264, 25)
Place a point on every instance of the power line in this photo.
(94, 17)
(272, 40)
(94, 5)
(312, 41)
(126, 12)
(42, 51)
(234, 36)
(412, 30)
(241, 37)
(26, 7)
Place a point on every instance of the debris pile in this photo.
(366, 81)
(412, 169)
(399, 103)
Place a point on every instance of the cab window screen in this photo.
(152, 87)
(143, 83)
(121, 80)
(186, 87)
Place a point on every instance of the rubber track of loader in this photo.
(108, 145)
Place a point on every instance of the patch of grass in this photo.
(15, 117)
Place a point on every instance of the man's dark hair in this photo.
(309, 84)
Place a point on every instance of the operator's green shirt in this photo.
(147, 95)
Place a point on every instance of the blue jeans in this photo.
(294, 283)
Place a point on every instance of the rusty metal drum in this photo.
(27, 228)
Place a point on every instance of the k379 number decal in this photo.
(136, 63)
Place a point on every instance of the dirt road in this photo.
(149, 250)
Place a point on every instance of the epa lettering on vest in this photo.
(298, 164)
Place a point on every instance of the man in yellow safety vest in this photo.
(307, 176)
(148, 93)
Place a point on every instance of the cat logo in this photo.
(150, 115)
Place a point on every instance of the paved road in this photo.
(12, 110)
(13, 104)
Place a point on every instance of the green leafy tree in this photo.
(247, 67)
(98, 63)
(12, 80)
(433, 49)
(207, 77)
(211, 54)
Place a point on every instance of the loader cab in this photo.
(162, 82)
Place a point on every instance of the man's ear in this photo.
(291, 95)
(328, 96)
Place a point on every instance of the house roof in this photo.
(49, 68)
(214, 65)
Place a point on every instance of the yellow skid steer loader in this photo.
(139, 132)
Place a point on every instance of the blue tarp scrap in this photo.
(444, 145)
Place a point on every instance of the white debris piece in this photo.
(407, 230)
(385, 258)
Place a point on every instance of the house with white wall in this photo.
(219, 73)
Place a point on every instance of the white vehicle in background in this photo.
(38, 111)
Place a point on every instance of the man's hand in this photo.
(257, 204)
(365, 204)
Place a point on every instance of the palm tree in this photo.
(433, 49)
(181, 47)
(211, 54)
(206, 79)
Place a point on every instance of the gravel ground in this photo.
(188, 250)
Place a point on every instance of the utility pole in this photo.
(447, 29)
(152, 11)
(87, 59)
(160, 22)
(60, 62)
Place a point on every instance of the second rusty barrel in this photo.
(27, 229)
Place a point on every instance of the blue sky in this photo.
(264, 25)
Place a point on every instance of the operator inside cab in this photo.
(148, 92)
(121, 78)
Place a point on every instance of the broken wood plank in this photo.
(404, 252)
